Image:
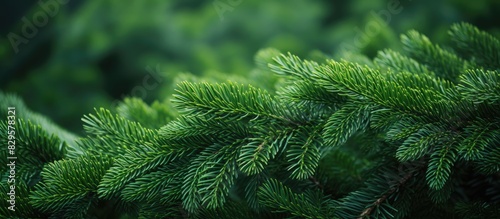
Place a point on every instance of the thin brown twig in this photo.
(316, 182)
(384, 197)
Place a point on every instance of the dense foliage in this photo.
(412, 134)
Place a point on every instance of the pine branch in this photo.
(480, 86)
(303, 154)
(444, 63)
(366, 213)
(276, 195)
(476, 45)
(10, 100)
(116, 133)
(153, 117)
(292, 65)
(228, 100)
(362, 83)
(64, 185)
(398, 62)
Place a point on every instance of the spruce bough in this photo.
(412, 134)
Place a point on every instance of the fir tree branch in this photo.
(366, 213)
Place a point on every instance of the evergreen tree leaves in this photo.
(479, 136)
(440, 166)
(162, 184)
(23, 208)
(282, 199)
(69, 186)
(490, 162)
(22, 112)
(444, 63)
(398, 62)
(209, 176)
(476, 45)
(153, 117)
(293, 66)
(363, 83)
(421, 142)
(255, 155)
(201, 130)
(220, 175)
(303, 153)
(33, 148)
(346, 122)
(301, 88)
(114, 133)
(231, 101)
(480, 86)
(133, 165)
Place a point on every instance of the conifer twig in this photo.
(316, 182)
(366, 213)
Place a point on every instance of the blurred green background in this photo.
(65, 57)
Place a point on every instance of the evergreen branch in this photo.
(440, 166)
(303, 155)
(480, 86)
(115, 135)
(220, 176)
(422, 81)
(478, 46)
(478, 136)
(117, 131)
(302, 89)
(277, 196)
(255, 155)
(210, 176)
(384, 120)
(383, 187)
(133, 165)
(307, 93)
(252, 187)
(361, 83)
(368, 211)
(153, 117)
(400, 63)
(67, 182)
(292, 65)
(490, 161)
(420, 142)
(190, 191)
(444, 63)
(190, 127)
(33, 148)
(384, 113)
(346, 122)
(229, 101)
(10, 100)
(151, 186)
